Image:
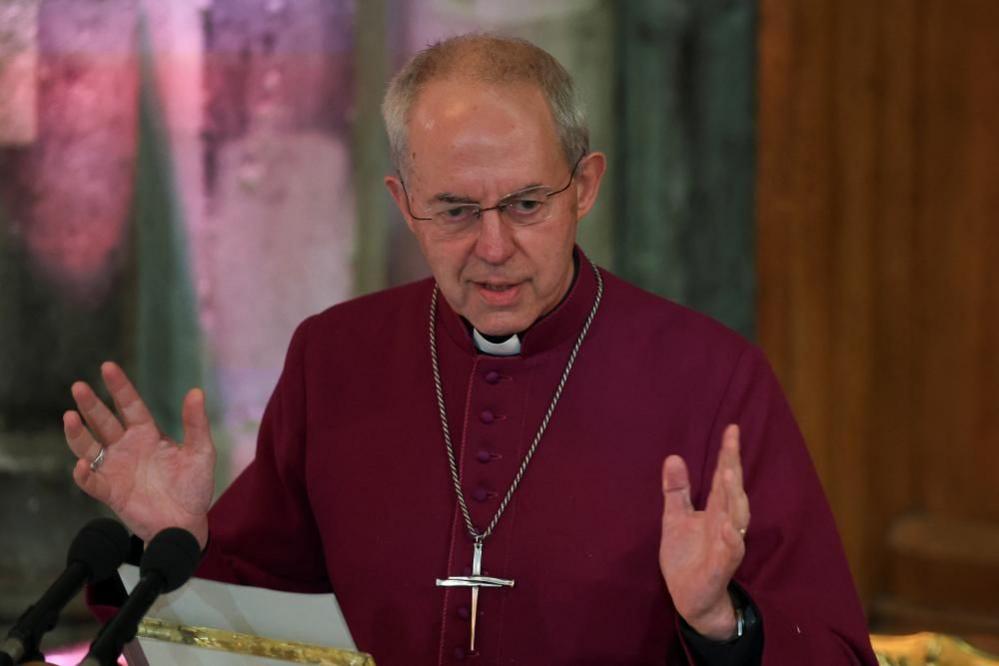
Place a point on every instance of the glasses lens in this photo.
(526, 210)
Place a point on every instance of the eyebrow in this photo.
(448, 197)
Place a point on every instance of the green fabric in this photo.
(685, 227)
(168, 350)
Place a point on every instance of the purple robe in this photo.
(350, 489)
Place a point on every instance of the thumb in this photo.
(676, 487)
(197, 431)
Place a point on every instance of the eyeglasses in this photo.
(521, 209)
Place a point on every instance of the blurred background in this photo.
(182, 182)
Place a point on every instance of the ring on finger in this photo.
(98, 461)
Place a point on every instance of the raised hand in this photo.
(700, 550)
(150, 481)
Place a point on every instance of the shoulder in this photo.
(653, 319)
(368, 321)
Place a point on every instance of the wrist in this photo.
(200, 532)
(719, 623)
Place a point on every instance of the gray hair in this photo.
(490, 59)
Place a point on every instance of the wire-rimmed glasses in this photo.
(454, 215)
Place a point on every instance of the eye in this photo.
(525, 207)
(458, 214)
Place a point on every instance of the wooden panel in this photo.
(893, 351)
(957, 250)
(876, 199)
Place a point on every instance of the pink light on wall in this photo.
(76, 178)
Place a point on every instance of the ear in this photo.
(589, 173)
(395, 188)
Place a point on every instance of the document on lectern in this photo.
(218, 624)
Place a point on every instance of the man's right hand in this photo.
(147, 479)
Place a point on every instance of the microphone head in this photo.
(173, 555)
(101, 546)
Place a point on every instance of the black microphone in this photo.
(95, 554)
(169, 561)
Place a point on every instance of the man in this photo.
(474, 462)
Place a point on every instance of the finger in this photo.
(727, 458)
(102, 421)
(738, 502)
(676, 487)
(81, 442)
(197, 430)
(734, 541)
(732, 446)
(128, 401)
(91, 482)
(718, 498)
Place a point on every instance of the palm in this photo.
(700, 550)
(151, 481)
(148, 480)
(696, 561)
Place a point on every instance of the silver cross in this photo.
(475, 581)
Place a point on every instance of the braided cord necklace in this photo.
(477, 580)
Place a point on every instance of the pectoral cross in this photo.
(475, 581)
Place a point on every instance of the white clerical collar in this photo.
(509, 347)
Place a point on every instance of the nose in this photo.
(495, 243)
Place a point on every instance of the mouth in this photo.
(498, 293)
(496, 286)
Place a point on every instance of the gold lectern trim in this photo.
(929, 648)
(248, 644)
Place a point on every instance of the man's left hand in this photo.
(700, 550)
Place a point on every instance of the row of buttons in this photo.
(480, 494)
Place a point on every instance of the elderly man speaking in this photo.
(523, 459)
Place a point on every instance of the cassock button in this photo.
(487, 416)
(464, 613)
(483, 456)
(492, 377)
(480, 494)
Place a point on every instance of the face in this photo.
(480, 143)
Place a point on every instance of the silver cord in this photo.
(442, 410)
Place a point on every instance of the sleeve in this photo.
(262, 531)
(795, 571)
(744, 651)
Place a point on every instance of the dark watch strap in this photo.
(745, 649)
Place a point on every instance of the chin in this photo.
(499, 324)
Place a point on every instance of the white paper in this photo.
(315, 619)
